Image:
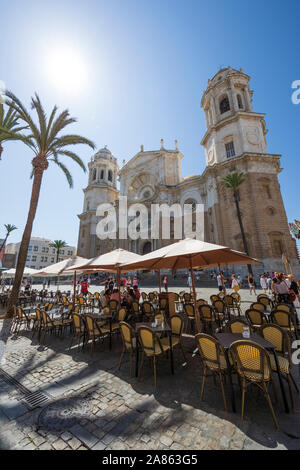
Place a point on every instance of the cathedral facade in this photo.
(234, 142)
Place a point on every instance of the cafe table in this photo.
(162, 328)
(226, 340)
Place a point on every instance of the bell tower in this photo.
(233, 128)
(235, 142)
(102, 188)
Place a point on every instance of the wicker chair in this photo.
(115, 327)
(129, 343)
(236, 326)
(190, 313)
(151, 347)
(277, 336)
(256, 318)
(187, 297)
(49, 325)
(258, 306)
(144, 296)
(231, 305)
(94, 331)
(208, 317)
(286, 320)
(213, 358)
(78, 329)
(214, 298)
(220, 310)
(148, 310)
(177, 327)
(254, 368)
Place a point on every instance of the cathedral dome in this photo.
(103, 153)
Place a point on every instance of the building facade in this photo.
(40, 254)
(234, 141)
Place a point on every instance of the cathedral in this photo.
(234, 141)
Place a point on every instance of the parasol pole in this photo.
(159, 281)
(74, 287)
(119, 286)
(195, 298)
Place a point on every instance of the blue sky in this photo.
(146, 64)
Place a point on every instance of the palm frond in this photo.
(74, 157)
(37, 105)
(64, 170)
(66, 140)
(23, 114)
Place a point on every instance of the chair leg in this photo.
(141, 366)
(270, 405)
(223, 391)
(121, 358)
(154, 371)
(131, 360)
(243, 398)
(295, 385)
(184, 358)
(291, 391)
(203, 383)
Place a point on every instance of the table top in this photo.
(226, 339)
(156, 329)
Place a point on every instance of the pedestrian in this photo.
(235, 284)
(49, 282)
(165, 283)
(190, 281)
(281, 288)
(221, 282)
(251, 283)
(84, 287)
(269, 284)
(263, 283)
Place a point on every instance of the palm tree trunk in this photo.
(4, 242)
(57, 255)
(40, 164)
(1, 150)
(242, 230)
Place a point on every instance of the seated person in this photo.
(137, 293)
(115, 295)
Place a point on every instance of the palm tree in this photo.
(233, 181)
(9, 228)
(9, 124)
(47, 144)
(58, 244)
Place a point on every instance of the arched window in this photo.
(110, 175)
(224, 105)
(192, 203)
(102, 175)
(240, 102)
(147, 248)
(88, 206)
(94, 174)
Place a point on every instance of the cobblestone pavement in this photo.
(92, 405)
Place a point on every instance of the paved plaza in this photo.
(87, 403)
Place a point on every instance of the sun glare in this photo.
(66, 70)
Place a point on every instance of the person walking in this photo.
(269, 284)
(190, 282)
(263, 283)
(165, 283)
(281, 288)
(251, 283)
(235, 283)
(221, 282)
(84, 287)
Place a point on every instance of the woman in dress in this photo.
(263, 283)
(235, 283)
(251, 283)
(165, 283)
